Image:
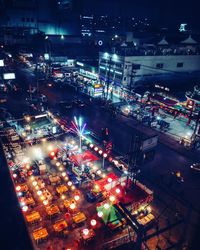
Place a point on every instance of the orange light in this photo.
(18, 188)
(76, 197)
(72, 206)
(52, 153)
(112, 198)
(45, 202)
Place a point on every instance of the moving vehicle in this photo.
(78, 103)
(195, 167)
(65, 105)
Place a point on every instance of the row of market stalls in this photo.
(56, 199)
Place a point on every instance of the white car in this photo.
(195, 167)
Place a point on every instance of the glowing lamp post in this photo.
(93, 222)
(104, 156)
(79, 129)
(72, 206)
(76, 197)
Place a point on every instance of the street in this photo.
(156, 173)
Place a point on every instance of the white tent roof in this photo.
(163, 42)
(123, 44)
(189, 40)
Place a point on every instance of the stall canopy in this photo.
(83, 158)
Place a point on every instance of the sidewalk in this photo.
(168, 139)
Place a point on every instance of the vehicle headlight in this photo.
(192, 166)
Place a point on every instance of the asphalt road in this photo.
(165, 161)
(156, 172)
(121, 130)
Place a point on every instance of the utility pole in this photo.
(108, 77)
(134, 67)
(196, 126)
(134, 152)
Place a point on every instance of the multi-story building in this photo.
(129, 66)
(20, 18)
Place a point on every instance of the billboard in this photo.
(1, 63)
(149, 143)
(9, 76)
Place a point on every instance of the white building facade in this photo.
(130, 71)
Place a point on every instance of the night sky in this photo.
(168, 12)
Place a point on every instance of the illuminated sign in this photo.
(1, 63)
(80, 64)
(182, 27)
(46, 56)
(100, 42)
(9, 76)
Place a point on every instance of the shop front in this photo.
(88, 78)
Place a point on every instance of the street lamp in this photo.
(79, 129)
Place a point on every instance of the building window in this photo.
(159, 65)
(23, 19)
(28, 19)
(126, 66)
(32, 20)
(179, 65)
(125, 78)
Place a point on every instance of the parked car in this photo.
(78, 103)
(195, 167)
(65, 105)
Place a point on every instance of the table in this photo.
(68, 202)
(40, 234)
(60, 226)
(52, 210)
(54, 179)
(33, 216)
(28, 201)
(79, 217)
(24, 188)
(61, 189)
